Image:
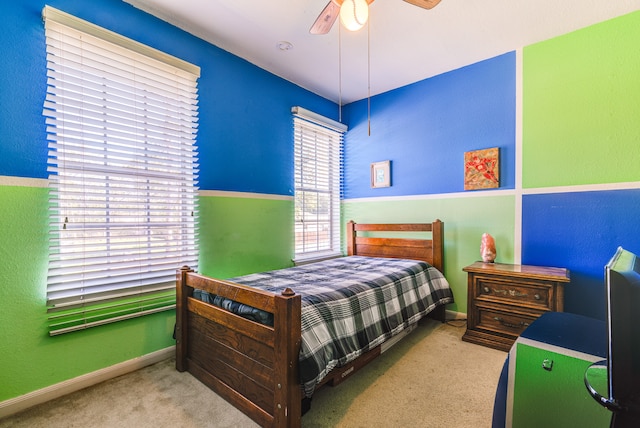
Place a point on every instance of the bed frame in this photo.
(253, 366)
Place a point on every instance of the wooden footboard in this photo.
(252, 366)
(255, 367)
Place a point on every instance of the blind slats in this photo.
(120, 96)
(160, 294)
(317, 172)
(121, 127)
(157, 125)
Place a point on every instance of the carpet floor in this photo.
(429, 379)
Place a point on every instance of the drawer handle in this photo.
(512, 293)
(512, 325)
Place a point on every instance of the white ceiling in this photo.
(407, 43)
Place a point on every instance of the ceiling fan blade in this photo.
(425, 4)
(326, 18)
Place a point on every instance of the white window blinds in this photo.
(317, 176)
(121, 125)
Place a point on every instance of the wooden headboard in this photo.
(429, 248)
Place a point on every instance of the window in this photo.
(121, 127)
(317, 176)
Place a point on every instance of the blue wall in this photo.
(580, 231)
(425, 128)
(244, 139)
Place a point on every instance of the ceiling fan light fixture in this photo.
(354, 14)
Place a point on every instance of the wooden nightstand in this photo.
(503, 299)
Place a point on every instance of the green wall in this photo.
(28, 355)
(241, 235)
(465, 220)
(581, 98)
(238, 235)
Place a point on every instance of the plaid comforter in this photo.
(349, 306)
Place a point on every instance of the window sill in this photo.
(317, 257)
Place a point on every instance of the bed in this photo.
(258, 366)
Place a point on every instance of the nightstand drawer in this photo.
(534, 294)
(503, 299)
(505, 322)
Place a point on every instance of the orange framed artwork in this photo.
(482, 169)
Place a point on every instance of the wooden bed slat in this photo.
(393, 242)
(393, 227)
(240, 293)
(249, 408)
(241, 345)
(259, 332)
(340, 374)
(397, 252)
(253, 384)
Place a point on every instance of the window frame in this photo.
(122, 174)
(319, 140)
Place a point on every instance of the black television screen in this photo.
(622, 279)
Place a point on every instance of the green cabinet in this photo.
(549, 390)
(542, 383)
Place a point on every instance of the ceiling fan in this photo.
(328, 16)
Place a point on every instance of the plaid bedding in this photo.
(349, 306)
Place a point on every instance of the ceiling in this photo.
(406, 43)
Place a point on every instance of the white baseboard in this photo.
(451, 315)
(17, 404)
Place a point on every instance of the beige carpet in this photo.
(430, 379)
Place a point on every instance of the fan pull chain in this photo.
(340, 73)
(369, 76)
(356, 18)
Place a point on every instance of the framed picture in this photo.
(482, 169)
(381, 174)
